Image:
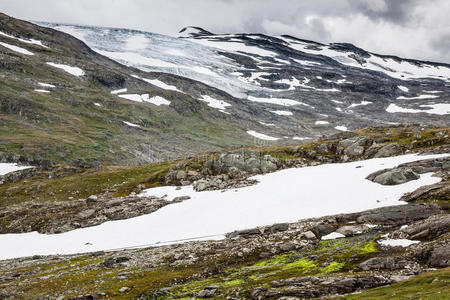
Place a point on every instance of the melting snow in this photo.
(341, 128)
(118, 91)
(46, 85)
(72, 70)
(130, 124)
(278, 101)
(397, 243)
(6, 168)
(332, 236)
(418, 97)
(283, 196)
(97, 104)
(31, 41)
(403, 88)
(161, 84)
(360, 104)
(214, 103)
(234, 47)
(16, 49)
(262, 136)
(41, 91)
(437, 109)
(321, 122)
(282, 112)
(301, 138)
(157, 100)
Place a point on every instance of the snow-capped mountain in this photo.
(288, 82)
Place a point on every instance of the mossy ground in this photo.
(340, 255)
(434, 285)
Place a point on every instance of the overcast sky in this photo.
(409, 28)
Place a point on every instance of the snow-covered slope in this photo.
(283, 196)
(304, 79)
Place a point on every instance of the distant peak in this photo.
(193, 31)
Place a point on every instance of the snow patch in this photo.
(403, 88)
(359, 104)
(341, 128)
(41, 91)
(6, 168)
(277, 101)
(418, 97)
(214, 103)
(118, 91)
(284, 196)
(156, 100)
(16, 49)
(30, 41)
(321, 122)
(437, 109)
(261, 136)
(47, 85)
(397, 242)
(332, 236)
(282, 112)
(130, 124)
(72, 70)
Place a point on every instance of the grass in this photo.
(434, 285)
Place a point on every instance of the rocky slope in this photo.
(317, 257)
(55, 95)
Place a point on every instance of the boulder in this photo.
(440, 257)
(350, 230)
(396, 176)
(389, 263)
(323, 229)
(389, 150)
(309, 235)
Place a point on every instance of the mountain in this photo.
(177, 96)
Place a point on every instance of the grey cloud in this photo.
(385, 22)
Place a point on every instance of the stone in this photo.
(268, 166)
(323, 229)
(389, 150)
(181, 198)
(124, 289)
(309, 235)
(440, 257)
(279, 227)
(181, 175)
(396, 176)
(389, 263)
(86, 213)
(208, 292)
(201, 185)
(354, 150)
(350, 230)
(287, 247)
(92, 199)
(111, 262)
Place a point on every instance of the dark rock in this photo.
(279, 227)
(396, 176)
(389, 150)
(389, 263)
(323, 229)
(440, 257)
(112, 262)
(399, 214)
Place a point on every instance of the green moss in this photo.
(433, 285)
(332, 267)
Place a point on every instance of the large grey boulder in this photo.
(396, 176)
(440, 257)
(389, 150)
(389, 263)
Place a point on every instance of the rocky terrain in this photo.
(106, 117)
(173, 97)
(390, 252)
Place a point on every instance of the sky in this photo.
(417, 29)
